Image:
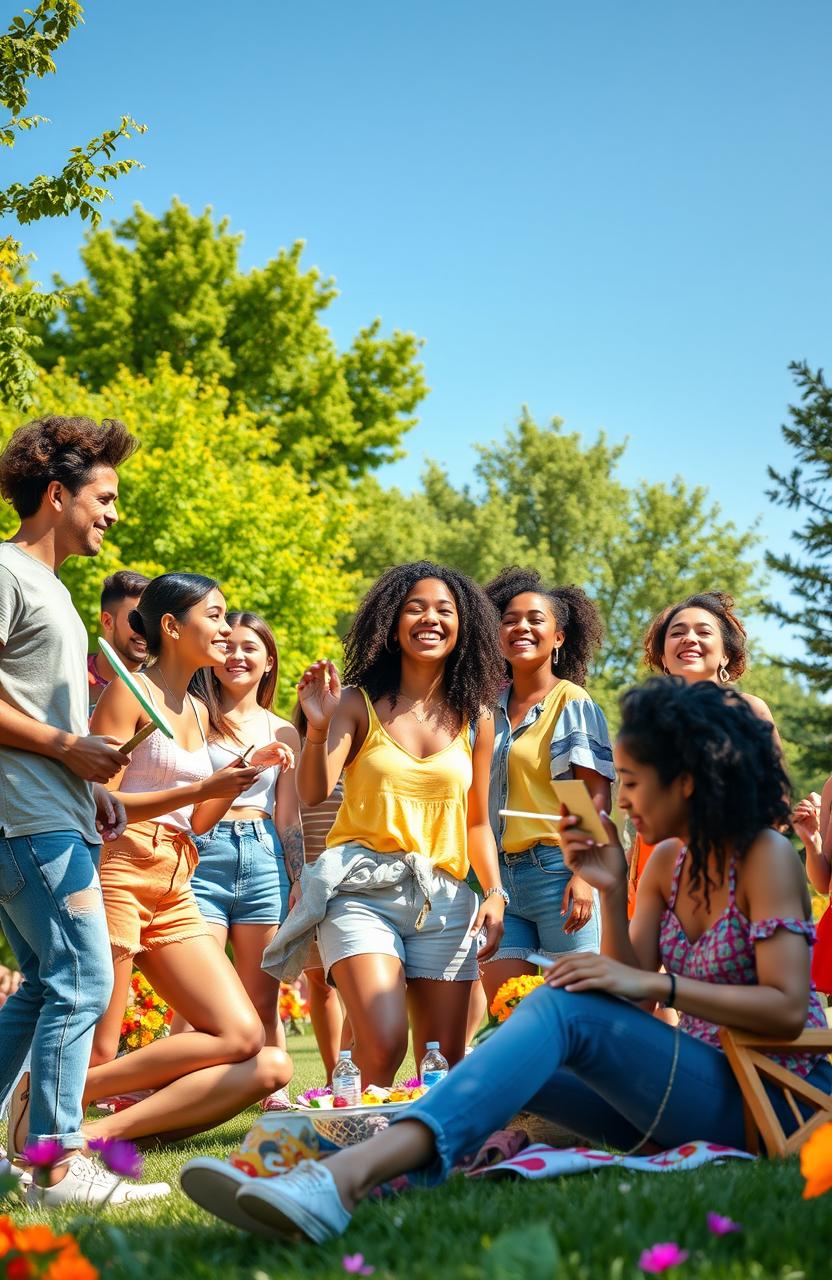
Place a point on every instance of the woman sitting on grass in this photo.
(727, 913)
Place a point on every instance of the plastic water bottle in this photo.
(434, 1067)
(346, 1080)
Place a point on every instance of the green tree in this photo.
(82, 185)
(807, 488)
(546, 499)
(197, 496)
(171, 287)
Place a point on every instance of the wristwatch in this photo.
(501, 893)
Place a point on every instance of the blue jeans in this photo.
(241, 875)
(536, 882)
(597, 1065)
(52, 914)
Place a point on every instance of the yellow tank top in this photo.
(396, 803)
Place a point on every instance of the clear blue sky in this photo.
(618, 213)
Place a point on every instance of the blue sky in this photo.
(613, 212)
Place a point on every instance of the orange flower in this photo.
(40, 1239)
(816, 1162)
(510, 994)
(8, 1236)
(71, 1265)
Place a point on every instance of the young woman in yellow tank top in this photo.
(415, 748)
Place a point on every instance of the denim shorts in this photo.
(536, 881)
(382, 921)
(241, 877)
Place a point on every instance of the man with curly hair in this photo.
(59, 474)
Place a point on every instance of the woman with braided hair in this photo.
(396, 920)
(546, 727)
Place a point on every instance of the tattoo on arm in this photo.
(292, 841)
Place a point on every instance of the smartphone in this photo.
(542, 962)
(574, 796)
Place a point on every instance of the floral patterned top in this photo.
(724, 953)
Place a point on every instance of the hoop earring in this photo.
(723, 675)
(555, 658)
(665, 670)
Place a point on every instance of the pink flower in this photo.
(661, 1257)
(43, 1154)
(413, 1083)
(720, 1226)
(354, 1264)
(120, 1157)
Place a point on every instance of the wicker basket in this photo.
(545, 1131)
(346, 1126)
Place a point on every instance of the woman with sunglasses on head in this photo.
(170, 789)
(546, 728)
(395, 917)
(699, 638)
(726, 912)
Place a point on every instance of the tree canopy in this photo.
(171, 288)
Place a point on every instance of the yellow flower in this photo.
(511, 993)
(154, 1020)
(816, 1162)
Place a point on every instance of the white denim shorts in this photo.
(382, 921)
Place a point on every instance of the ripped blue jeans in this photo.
(52, 915)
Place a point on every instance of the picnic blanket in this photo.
(539, 1161)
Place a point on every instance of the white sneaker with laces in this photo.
(213, 1185)
(304, 1201)
(86, 1182)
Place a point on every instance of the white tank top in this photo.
(261, 793)
(160, 764)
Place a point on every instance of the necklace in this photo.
(425, 715)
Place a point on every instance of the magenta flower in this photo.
(661, 1257)
(315, 1093)
(44, 1154)
(354, 1264)
(120, 1157)
(413, 1083)
(720, 1226)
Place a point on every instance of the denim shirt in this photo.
(590, 749)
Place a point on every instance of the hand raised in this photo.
(602, 866)
(319, 694)
(274, 753)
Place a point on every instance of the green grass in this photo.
(601, 1222)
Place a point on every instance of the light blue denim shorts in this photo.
(382, 921)
(241, 876)
(536, 882)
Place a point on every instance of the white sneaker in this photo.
(304, 1201)
(213, 1185)
(24, 1176)
(86, 1182)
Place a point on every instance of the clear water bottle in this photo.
(346, 1080)
(434, 1067)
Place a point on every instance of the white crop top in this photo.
(261, 793)
(160, 764)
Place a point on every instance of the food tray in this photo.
(347, 1125)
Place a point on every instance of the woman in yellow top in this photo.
(546, 727)
(415, 748)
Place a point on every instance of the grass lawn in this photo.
(601, 1223)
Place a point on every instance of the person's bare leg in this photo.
(198, 979)
(496, 972)
(373, 990)
(198, 1101)
(220, 932)
(108, 1029)
(477, 1009)
(438, 1011)
(327, 1018)
(249, 942)
(399, 1149)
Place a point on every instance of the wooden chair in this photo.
(747, 1056)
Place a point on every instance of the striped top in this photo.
(317, 820)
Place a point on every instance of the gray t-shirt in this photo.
(43, 673)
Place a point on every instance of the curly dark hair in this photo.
(721, 605)
(740, 785)
(63, 449)
(473, 671)
(574, 613)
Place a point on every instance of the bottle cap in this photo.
(345, 1053)
(432, 1044)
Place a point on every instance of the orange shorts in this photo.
(145, 881)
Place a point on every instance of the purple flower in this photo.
(661, 1257)
(413, 1083)
(44, 1154)
(720, 1226)
(355, 1265)
(120, 1157)
(315, 1093)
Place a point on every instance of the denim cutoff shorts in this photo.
(241, 877)
(536, 881)
(382, 921)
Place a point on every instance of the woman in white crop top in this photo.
(169, 789)
(250, 862)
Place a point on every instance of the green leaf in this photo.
(524, 1253)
